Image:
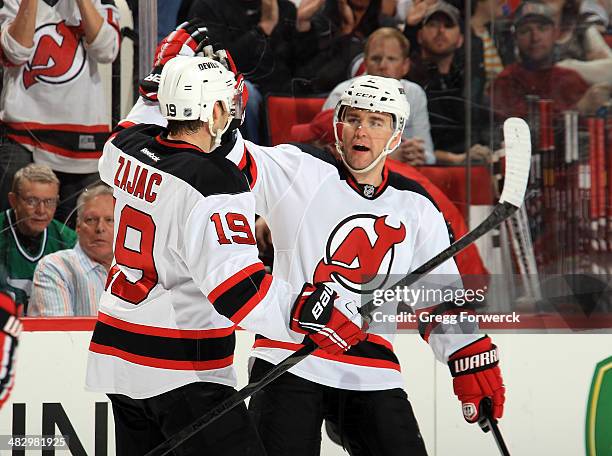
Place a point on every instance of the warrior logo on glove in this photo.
(476, 375)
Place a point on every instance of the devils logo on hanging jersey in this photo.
(359, 252)
(59, 56)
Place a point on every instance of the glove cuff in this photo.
(478, 356)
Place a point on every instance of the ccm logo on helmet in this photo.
(322, 303)
(365, 95)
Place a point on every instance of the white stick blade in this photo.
(518, 160)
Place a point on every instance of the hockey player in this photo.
(186, 273)
(372, 224)
(355, 223)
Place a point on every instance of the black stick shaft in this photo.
(487, 422)
(501, 212)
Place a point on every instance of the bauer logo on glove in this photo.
(329, 320)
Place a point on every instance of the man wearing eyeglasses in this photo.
(28, 231)
(70, 282)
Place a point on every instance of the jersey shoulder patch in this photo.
(403, 183)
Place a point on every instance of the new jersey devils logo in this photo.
(59, 55)
(359, 253)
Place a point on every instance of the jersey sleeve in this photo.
(276, 170)
(221, 254)
(105, 47)
(144, 111)
(11, 52)
(443, 338)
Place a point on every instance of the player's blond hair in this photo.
(34, 173)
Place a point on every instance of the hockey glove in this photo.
(476, 376)
(187, 39)
(10, 327)
(333, 323)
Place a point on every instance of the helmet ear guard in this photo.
(376, 94)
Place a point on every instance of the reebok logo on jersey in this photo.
(149, 154)
(359, 253)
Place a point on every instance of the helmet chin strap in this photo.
(386, 151)
(217, 135)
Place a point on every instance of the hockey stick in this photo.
(518, 160)
(488, 423)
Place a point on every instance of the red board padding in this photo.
(59, 324)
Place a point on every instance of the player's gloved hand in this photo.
(186, 39)
(332, 322)
(10, 328)
(476, 376)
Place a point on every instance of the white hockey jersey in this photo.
(53, 99)
(327, 227)
(185, 272)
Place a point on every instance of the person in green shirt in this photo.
(28, 231)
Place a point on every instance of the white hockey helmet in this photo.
(189, 88)
(377, 94)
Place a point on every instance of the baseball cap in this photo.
(445, 8)
(320, 128)
(533, 10)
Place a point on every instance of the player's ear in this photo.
(395, 141)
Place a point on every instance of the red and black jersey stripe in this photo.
(238, 295)
(64, 139)
(164, 347)
(248, 167)
(375, 351)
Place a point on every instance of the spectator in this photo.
(69, 282)
(54, 105)
(439, 69)
(487, 24)
(386, 53)
(580, 46)
(341, 28)
(28, 231)
(167, 12)
(536, 74)
(265, 42)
